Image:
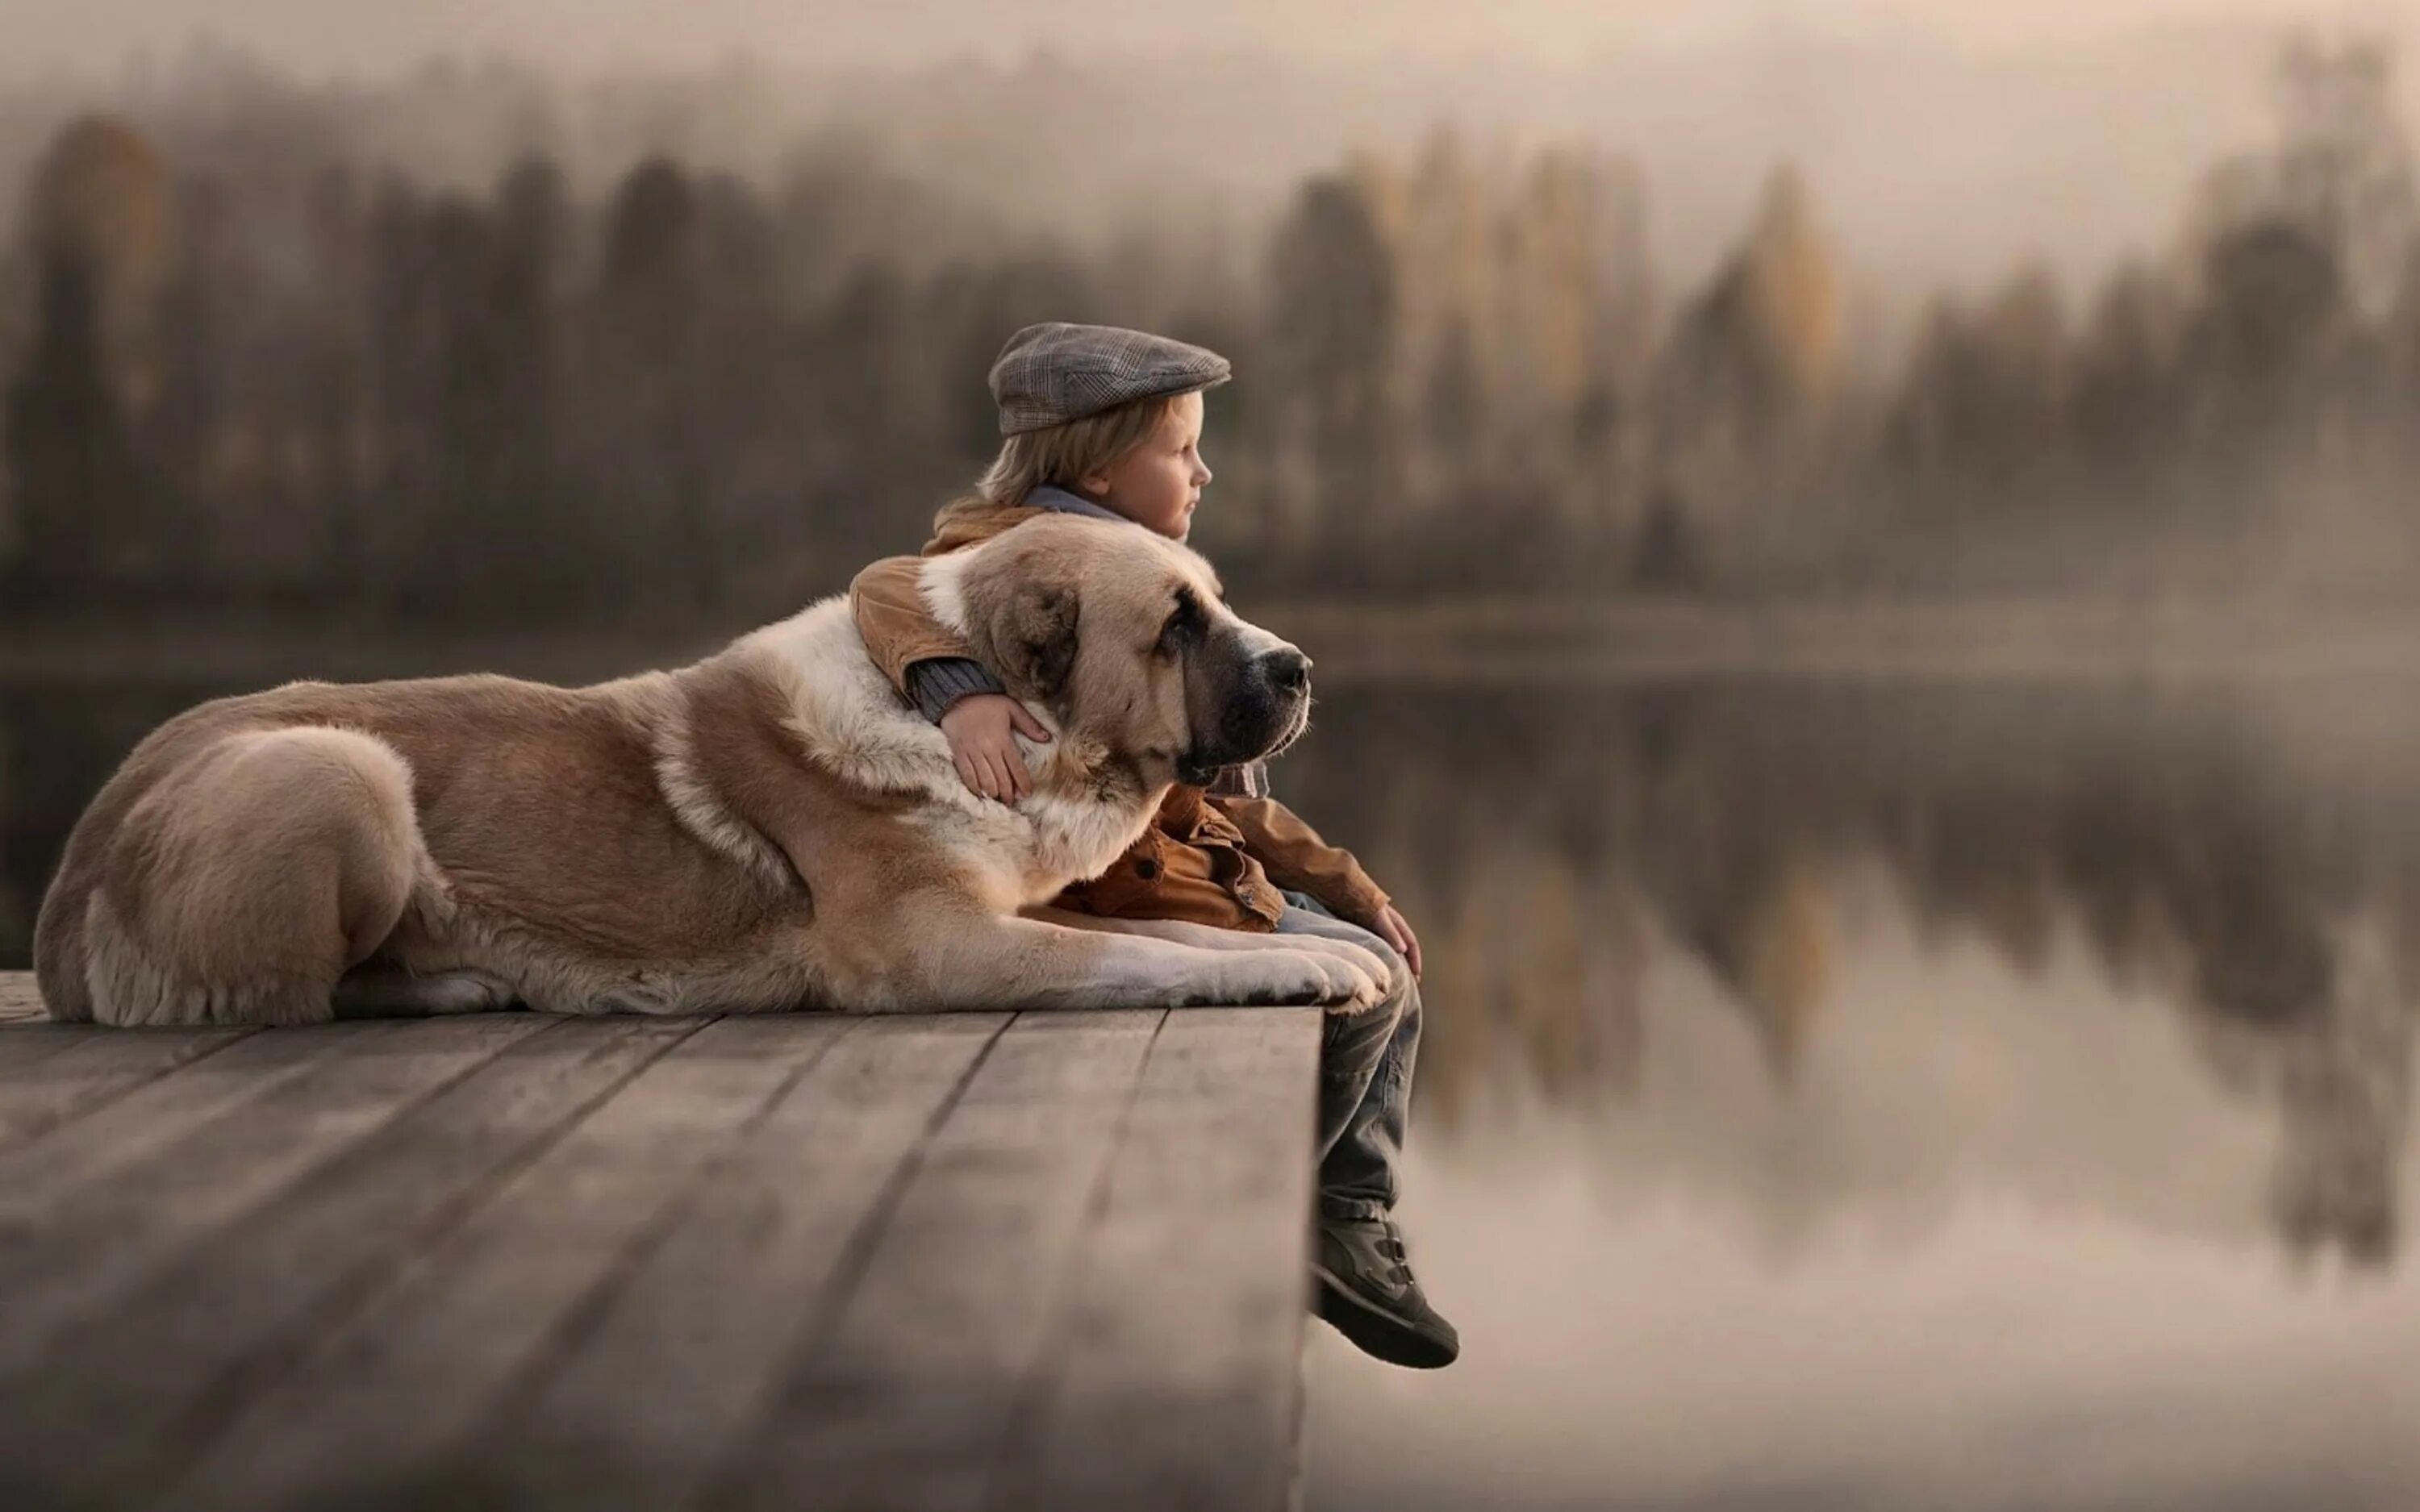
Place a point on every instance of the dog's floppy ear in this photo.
(1039, 642)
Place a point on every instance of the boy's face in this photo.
(1158, 482)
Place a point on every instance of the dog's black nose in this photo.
(1287, 669)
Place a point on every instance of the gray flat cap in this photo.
(1050, 373)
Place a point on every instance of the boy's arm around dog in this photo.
(887, 600)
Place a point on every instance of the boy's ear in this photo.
(1039, 645)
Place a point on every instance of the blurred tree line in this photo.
(294, 378)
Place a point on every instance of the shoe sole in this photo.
(1375, 1332)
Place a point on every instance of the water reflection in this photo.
(1851, 1096)
(1914, 1098)
(2242, 862)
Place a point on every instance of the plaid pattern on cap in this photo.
(1050, 373)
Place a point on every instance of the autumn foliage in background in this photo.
(245, 358)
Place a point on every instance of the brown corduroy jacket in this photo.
(1206, 860)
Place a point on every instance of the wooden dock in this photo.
(513, 1260)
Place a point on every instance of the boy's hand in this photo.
(1391, 926)
(983, 729)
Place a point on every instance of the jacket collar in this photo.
(1060, 500)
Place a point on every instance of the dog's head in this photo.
(1125, 638)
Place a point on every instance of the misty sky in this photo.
(43, 36)
(2067, 132)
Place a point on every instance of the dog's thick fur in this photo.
(771, 828)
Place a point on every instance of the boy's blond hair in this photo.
(1061, 455)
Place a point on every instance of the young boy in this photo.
(1106, 422)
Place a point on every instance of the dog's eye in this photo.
(1184, 619)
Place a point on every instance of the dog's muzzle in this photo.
(1269, 711)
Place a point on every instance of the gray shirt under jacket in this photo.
(936, 683)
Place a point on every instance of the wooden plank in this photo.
(709, 1319)
(424, 1361)
(1175, 1379)
(156, 1119)
(20, 999)
(64, 1259)
(28, 1042)
(904, 1402)
(845, 1264)
(127, 1397)
(92, 1069)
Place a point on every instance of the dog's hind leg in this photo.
(245, 884)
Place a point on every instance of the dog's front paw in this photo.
(1309, 976)
(1364, 988)
(1368, 962)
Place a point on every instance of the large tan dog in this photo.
(769, 829)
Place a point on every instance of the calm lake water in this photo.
(1948, 1098)
(1846, 1096)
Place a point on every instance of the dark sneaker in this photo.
(1367, 1292)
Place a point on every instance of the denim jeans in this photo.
(1365, 1077)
